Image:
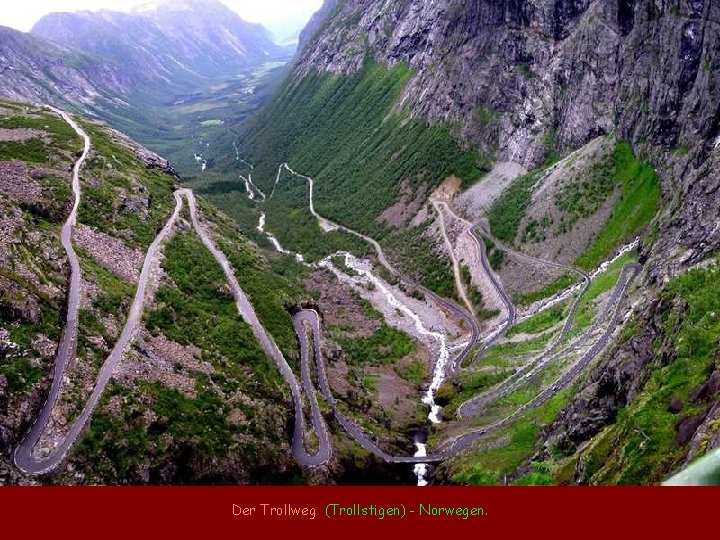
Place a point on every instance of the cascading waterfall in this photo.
(366, 276)
(275, 242)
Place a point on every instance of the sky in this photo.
(282, 17)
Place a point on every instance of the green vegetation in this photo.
(198, 312)
(415, 372)
(272, 286)
(21, 374)
(637, 206)
(193, 432)
(117, 174)
(417, 256)
(508, 211)
(642, 446)
(539, 476)
(385, 347)
(342, 131)
(496, 365)
(32, 151)
(114, 292)
(167, 129)
(290, 220)
(536, 230)
(28, 277)
(601, 284)
(496, 256)
(525, 71)
(581, 198)
(540, 322)
(475, 296)
(508, 449)
(563, 282)
(503, 354)
(485, 115)
(470, 384)
(61, 136)
(225, 411)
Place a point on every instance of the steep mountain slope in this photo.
(192, 390)
(613, 109)
(182, 404)
(510, 218)
(525, 76)
(171, 76)
(172, 45)
(33, 69)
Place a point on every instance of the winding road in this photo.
(459, 285)
(25, 457)
(307, 326)
(615, 306)
(448, 305)
(475, 405)
(494, 280)
(68, 343)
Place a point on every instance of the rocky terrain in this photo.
(162, 386)
(169, 46)
(38, 71)
(522, 159)
(611, 106)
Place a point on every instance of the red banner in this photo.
(490, 512)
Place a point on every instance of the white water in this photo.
(623, 250)
(254, 187)
(364, 275)
(421, 469)
(568, 293)
(248, 189)
(275, 242)
(444, 353)
(199, 158)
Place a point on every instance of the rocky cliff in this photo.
(554, 71)
(33, 69)
(524, 81)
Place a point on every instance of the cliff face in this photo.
(33, 69)
(316, 22)
(554, 73)
(520, 80)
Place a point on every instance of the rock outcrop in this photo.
(521, 78)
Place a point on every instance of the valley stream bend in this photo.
(307, 326)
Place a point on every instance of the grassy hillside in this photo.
(645, 444)
(232, 419)
(346, 133)
(195, 400)
(35, 198)
(638, 204)
(508, 211)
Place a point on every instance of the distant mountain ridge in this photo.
(33, 69)
(168, 45)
